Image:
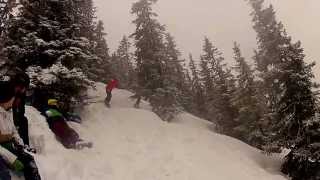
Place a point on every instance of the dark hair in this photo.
(6, 90)
(20, 78)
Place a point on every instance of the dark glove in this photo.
(17, 146)
(20, 148)
(30, 149)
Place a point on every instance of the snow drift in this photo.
(134, 144)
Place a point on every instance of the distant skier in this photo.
(113, 83)
(68, 137)
(12, 150)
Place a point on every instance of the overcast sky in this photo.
(223, 21)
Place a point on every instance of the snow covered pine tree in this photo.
(288, 81)
(45, 39)
(151, 61)
(218, 84)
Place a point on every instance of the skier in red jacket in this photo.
(113, 83)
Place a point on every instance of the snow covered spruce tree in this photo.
(85, 18)
(197, 90)
(122, 65)
(298, 127)
(187, 100)
(6, 12)
(101, 69)
(244, 98)
(6, 7)
(45, 39)
(207, 83)
(271, 35)
(295, 124)
(150, 60)
(218, 84)
(174, 72)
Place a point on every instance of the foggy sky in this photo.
(223, 21)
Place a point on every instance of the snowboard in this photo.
(73, 118)
(82, 144)
(107, 103)
(92, 102)
(38, 143)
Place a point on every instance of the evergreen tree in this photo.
(206, 78)
(101, 47)
(151, 61)
(298, 126)
(172, 61)
(6, 7)
(186, 101)
(149, 48)
(219, 85)
(245, 100)
(188, 76)
(174, 72)
(270, 36)
(194, 71)
(101, 68)
(85, 18)
(122, 64)
(295, 125)
(206, 75)
(198, 98)
(44, 34)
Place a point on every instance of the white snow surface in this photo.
(134, 144)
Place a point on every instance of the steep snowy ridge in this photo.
(134, 144)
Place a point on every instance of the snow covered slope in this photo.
(134, 144)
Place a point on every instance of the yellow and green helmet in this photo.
(53, 102)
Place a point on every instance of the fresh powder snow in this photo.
(135, 144)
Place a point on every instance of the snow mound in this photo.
(134, 144)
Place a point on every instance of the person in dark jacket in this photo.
(12, 150)
(68, 137)
(21, 82)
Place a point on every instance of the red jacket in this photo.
(111, 85)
